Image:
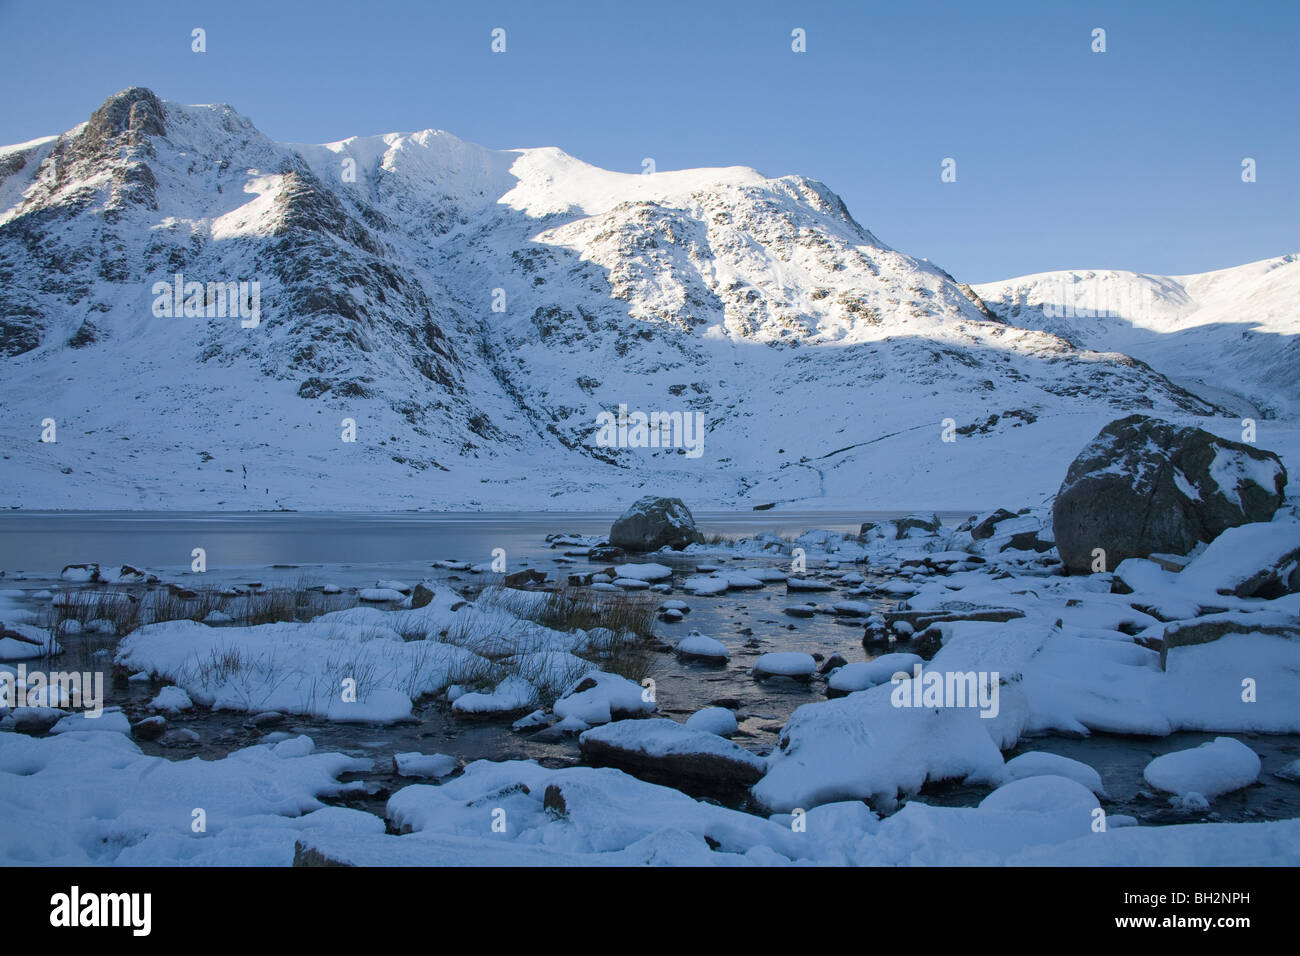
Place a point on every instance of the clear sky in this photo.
(1065, 158)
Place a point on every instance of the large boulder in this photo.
(1146, 486)
(652, 523)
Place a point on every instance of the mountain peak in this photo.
(136, 111)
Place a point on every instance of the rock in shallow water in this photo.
(1220, 766)
(652, 523)
(697, 647)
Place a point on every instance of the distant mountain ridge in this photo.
(1232, 330)
(473, 311)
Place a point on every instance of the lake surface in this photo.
(36, 542)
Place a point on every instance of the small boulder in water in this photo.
(792, 664)
(696, 646)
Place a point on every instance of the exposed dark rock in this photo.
(832, 662)
(918, 522)
(151, 728)
(422, 595)
(1144, 485)
(521, 579)
(665, 752)
(652, 523)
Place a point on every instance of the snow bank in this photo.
(254, 803)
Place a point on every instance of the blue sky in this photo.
(1065, 158)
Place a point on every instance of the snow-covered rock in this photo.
(1260, 559)
(645, 572)
(664, 751)
(793, 664)
(651, 523)
(861, 675)
(1040, 764)
(416, 764)
(599, 698)
(511, 696)
(1220, 766)
(171, 700)
(713, 720)
(696, 646)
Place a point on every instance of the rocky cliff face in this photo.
(473, 311)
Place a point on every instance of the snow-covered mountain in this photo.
(1231, 336)
(473, 311)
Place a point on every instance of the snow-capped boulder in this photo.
(793, 664)
(1043, 793)
(645, 572)
(1040, 764)
(600, 697)
(379, 595)
(652, 523)
(1220, 766)
(983, 525)
(1144, 486)
(430, 766)
(110, 720)
(512, 696)
(663, 751)
(793, 585)
(698, 647)
(171, 700)
(79, 573)
(877, 531)
(705, 585)
(864, 674)
(713, 720)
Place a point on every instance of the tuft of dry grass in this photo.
(573, 608)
